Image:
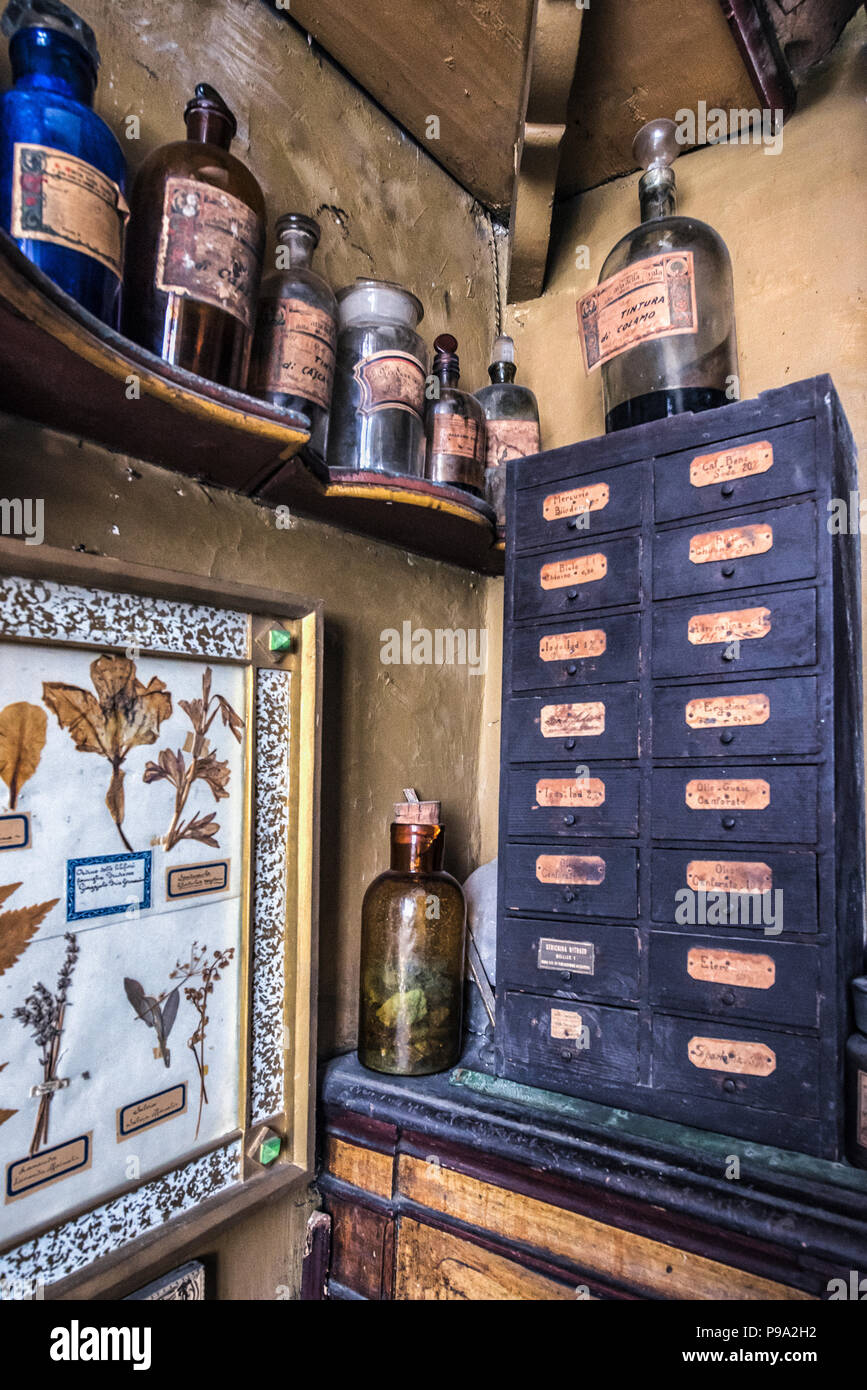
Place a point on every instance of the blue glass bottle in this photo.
(66, 214)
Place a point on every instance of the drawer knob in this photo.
(566, 1054)
(570, 743)
(726, 737)
(568, 896)
(729, 1085)
(727, 489)
(728, 822)
(571, 593)
(565, 974)
(569, 820)
(728, 571)
(727, 997)
(571, 669)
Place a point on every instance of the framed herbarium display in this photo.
(158, 771)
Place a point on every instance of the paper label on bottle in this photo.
(570, 791)
(510, 439)
(559, 721)
(719, 711)
(862, 1109)
(728, 876)
(390, 381)
(723, 1054)
(565, 1023)
(66, 201)
(741, 968)
(654, 298)
(729, 464)
(741, 625)
(577, 956)
(586, 869)
(728, 794)
(210, 248)
(297, 350)
(583, 569)
(733, 544)
(562, 645)
(576, 501)
(455, 435)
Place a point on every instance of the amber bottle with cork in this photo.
(454, 425)
(194, 249)
(413, 923)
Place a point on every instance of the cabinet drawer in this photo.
(543, 802)
(793, 875)
(577, 653)
(733, 553)
(768, 980)
(567, 580)
(754, 632)
(554, 958)
(573, 1038)
(563, 512)
(736, 472)
(602, 724)
(740, 803)
(769, 1070)
(740, 717)
(599, 882)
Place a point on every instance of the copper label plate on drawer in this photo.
(562, 645)
(577, 956)
(582, 569)
(736, 543)
(722, 1054)
(576, 501)
(587, 869)
(729, 464)
(741, 625)
(717, 711)
(728, 876)
(728, 794)
(570, 791)
(731, 968)
(559, 721)
(566, 1024)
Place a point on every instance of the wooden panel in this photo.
(646, 1264)
(361, 1167)
(432, 1264)
(361, 1248)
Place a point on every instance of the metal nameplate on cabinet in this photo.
(587, 959)
(766, 547)
(743, 878)
(599, 881)
(758, 631)
(771, 981)
(757, 467)
(739, 1064)
(576, 1037)
(573, 508)
(544, 801)
(601, 575)
(736, 803)
(583, 652)
(757, 717)
(602, 722)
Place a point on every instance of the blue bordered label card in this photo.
(107, 884)
(15, 830)
(152, 1110)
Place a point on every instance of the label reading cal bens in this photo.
(570, 791)
(723, 1054)
(210, 248)
(66, 201)
(728, 876)
(559, 721)
(582, 569)
(736, 543)
(728, 794)
(576, 501)
(577, 956)
(731, 968)
(390, 381)
(729, 464)
(299, 357)
(510, 439)
(563, 645)
(586, 869)
(741, 625)
(720, 710)
(654, 298)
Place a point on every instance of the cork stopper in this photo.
(411, 811)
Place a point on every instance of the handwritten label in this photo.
(718, 711)
(722, 1054)
(576, 501)
(586, 869)
(191, 880)
(15, 831)
(510, 439)
(456, 436)
(728, 794)
(583, 569)
(566, 1024)
(210, 248)
(728, 876)
(654, 298)
(561, 646)
(736, 543)
(731, 968)
(294, 350)
(559, 721)
(729, 464)
(576, 956)
(107, 884)
(65, 201)
(153, 1110)
(570, 791)
(741, 625)
(26, 1175)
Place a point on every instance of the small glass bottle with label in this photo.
(296, 331)
(454, 424)
(377, 410)
(62, 172)
(661, 322)
(195, 247)
(511, 422)
(856, 1079)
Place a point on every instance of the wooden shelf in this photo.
(61, 367)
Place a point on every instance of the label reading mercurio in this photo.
(654, 298)
(210, 248)
(66, 201)
(298, 350)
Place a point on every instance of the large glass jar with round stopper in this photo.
(661, 323)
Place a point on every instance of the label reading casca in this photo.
(728, 794)
(577, 956)
(583, 569)
(586, 869)
(722, 1054)
(736, 543)
(728, 876)
(566, 1024)
(654, 298)
(210, 248)
(731, 968)
(576, 501)
(66, 201)
(390, 381)
(510, 439)
(741, 625)
(559, 721)
(570, 791)
(729, 464)
(718, 711)
(563, 645)
(298, 350)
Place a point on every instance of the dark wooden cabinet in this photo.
(681, 837)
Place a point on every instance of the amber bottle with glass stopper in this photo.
(511, 422)
(413, 922)
(661, 323)
(454, 425)
(194, 249)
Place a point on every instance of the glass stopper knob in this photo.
(656, 145)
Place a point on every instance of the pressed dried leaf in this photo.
(22, 739)
(215, 773)
(7, 891)
(17, 927)
(78, 712)
(170, 1011)
(6, 1115)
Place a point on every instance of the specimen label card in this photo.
(107, 884)
(26, 1175)
(152, 1110)
(192, 880)
(15, 831)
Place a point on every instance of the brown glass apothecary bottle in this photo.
(454, 425)
(413, 923)
(194, 249)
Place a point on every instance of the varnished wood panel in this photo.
(363, 1168)
(434, 1265)
(361, 1248)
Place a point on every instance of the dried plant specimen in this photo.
(209, 972)
(16, 929)
(43, 1013)
(203, 766)
(123, 715)
(22, 739)
(159, 1013)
